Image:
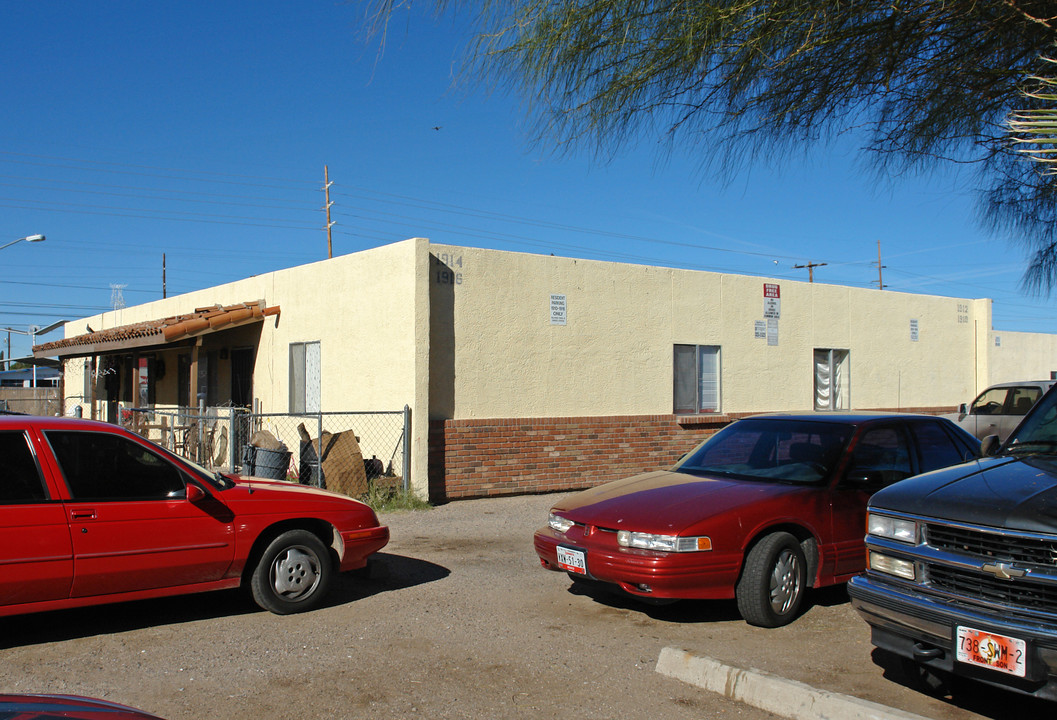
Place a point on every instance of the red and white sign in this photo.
(772, 301)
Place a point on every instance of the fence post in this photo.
(199, 429)
(231, 439)
(406, 469)
(320, 482)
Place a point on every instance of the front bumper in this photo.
(646, 573)
(359, 544)
(923, 629)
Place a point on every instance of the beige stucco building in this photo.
(533, 372)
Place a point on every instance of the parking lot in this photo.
(458, 621)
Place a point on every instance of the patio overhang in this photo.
(157, 333)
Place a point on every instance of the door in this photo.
(131, 524)
(36, 557)
(881, 456)
(242, 377)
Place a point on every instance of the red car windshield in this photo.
(777, 450)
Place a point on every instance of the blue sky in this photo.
(199, 130)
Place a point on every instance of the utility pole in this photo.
(880, 280)
(326, 190)
(810, 269)
(163, 275)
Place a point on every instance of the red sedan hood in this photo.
(665, 502)
(283, 488)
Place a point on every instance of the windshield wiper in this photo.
(1033, 446)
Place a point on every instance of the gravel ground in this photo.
(456, 621)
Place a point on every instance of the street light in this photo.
(27, 238)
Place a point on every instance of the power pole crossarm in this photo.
(810, 269)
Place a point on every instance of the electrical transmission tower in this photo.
(117, 298)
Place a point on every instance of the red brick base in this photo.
(512, 456)
(479, 458)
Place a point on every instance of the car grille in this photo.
(987, 547)
(1010, 548)
(987, 590)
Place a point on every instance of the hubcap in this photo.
(295, 573)
(785, 582)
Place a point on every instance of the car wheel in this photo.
(293, 574)
(772, 582)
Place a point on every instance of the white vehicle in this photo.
(1000, 408)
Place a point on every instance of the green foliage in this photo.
(921, 80)
(386, 499)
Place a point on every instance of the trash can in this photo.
(249, 453)
(310, 472)
(271, 464)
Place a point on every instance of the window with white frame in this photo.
(304, 377)
(696, 379)
(831, 379)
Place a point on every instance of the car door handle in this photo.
(82, 514)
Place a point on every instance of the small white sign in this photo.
(761, 329)
(998, 341)
(558, 310)
(772, 308)
(914, 330)
(772, 331)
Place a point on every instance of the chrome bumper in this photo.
(922, 628)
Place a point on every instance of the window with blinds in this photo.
(696, 375)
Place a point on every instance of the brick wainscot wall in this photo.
(517, 456)
(511, 456)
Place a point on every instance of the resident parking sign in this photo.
(558, 310)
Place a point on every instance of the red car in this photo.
(763, 509)
(91, 513)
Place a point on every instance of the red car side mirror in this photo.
(195, 493)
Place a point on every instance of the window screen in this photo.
(305, 377)
(696, 375)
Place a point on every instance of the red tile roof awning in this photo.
(153, 333)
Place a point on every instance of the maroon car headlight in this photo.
(558, 523)
(664, 543)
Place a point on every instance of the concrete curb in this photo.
(787, 698)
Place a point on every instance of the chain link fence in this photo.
(353, 453)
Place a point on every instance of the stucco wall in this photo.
(364, 308)
(1021, 356)
(465, 337)
(614, 355)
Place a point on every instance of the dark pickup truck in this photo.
(962, 564)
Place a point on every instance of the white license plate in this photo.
(990, 650)
(574, 561)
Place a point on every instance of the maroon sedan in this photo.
(66, 707)
(763, 509)
(91, 513)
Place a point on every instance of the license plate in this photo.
(990, 650)
(574, 561)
